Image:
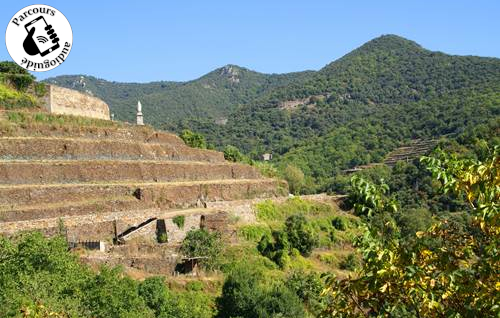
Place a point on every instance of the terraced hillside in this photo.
(414, 149)
(99, 180)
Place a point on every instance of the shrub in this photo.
(110, 294)
(179, 221)
(16, 75)
(40, 89)
(21, 82)
(156, 295)
(297, 235)
(233, 154)
(193, 139)
(10, 98)
(201, 243)
(268, 211)
(162, 237)
(193, 304)
(329, 259)
(266, 169)
(39, 277)
(339, 223)
(166, 303)
(275, 247)
(12, 68)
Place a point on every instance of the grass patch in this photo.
(253, 232)
(270, 211)
(266, 169)
(27, 119)
(297, 262)
(328, 259)
(247, 253)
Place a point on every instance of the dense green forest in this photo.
(363, 105)
(214, 95)
(351, 112)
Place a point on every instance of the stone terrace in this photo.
(94, 175)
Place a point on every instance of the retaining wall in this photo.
(70, 102)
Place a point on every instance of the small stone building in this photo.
(266, 156)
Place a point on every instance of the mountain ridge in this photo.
(360, 107)
(353, 111)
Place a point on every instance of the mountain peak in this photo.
(229, 73)
(380, 46)
(388, 42)
(230, 70)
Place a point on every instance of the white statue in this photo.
(140, 119)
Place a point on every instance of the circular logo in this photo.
(39, 38)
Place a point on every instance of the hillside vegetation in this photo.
(353, 111)
(419, 239)
(18, 88)
(214, 95)
(364, 105)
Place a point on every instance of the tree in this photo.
(445, 272)
(247, 294)
(39, 276)
(300, 234)
(201, 243)
(157, 296)
(15, 74)
(109, 294)
(297, 234)
(368, 198)
(308, 287)
(295, 178)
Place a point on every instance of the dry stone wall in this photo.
(70, 102)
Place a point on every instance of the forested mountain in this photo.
(353, 111)
(214, 95)
(358, 108)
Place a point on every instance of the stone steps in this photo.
(37, 148)
(160, 194)
(80, 171)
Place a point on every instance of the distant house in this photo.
(266, 156)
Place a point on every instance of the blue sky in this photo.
(141, 41)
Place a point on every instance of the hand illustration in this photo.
(29, 44)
